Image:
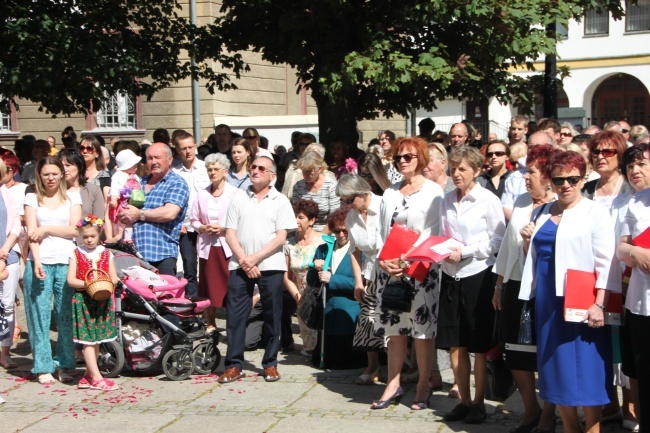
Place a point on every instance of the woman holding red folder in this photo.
(413, 203)
(573, 359)
(634, 250)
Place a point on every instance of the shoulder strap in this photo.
(540, 212)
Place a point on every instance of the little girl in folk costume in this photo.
(93, 321)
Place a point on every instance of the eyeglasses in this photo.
(366, 175)
(559, 181)
(348, 200)
(338, 231)
(625, 131)
(407, 158)
(607, 153)
(565, 134)
(260, 168)
(83, 149)
(491, 154)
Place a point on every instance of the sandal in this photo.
(104, 385)
(46, 379)
(84, 383)
(453, 392)
(8, 363)
(64, 376)
(369, 379)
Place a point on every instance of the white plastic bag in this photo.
(142, 274)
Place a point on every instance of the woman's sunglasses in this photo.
(607, 153)
(559, 181)
(491, 154)
(408, 157)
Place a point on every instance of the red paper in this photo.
(424, 253)
(399, 241)
(580, 294)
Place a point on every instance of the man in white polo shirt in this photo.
(256, 231)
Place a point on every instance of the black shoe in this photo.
(476, 414)
(458, 413)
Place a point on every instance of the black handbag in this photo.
(500, 384)
(527, 326)
(4, 324)
(397, 296)
(311, 309)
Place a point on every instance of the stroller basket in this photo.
(186, 306)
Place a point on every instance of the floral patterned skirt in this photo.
(92, 321)
(422, 321)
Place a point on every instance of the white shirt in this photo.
(257, 222)
(54, 250)
(338, 255)
(93, 255)
(478, 222)
(196, 178)
(514, 187)
(363, 235)
(585, 241)
(637, 220)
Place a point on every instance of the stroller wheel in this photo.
(111, 359)
(206, 356)
(178, 364)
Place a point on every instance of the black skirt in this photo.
(466, 316)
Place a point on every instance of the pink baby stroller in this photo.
(150, 335)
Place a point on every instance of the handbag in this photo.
(4, 324)
(500, 384)
(527, 326)
(311, 309)
(397, 296)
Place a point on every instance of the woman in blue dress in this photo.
(574, 359)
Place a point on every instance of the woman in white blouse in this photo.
(415, 204)
(362, 222)
(509, 267)
(50, 214)
(472, 215)
(637, 301)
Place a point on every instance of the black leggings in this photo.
(639, 330)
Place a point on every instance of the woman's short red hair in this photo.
(11, 161)
(566, 161)
(420, 146)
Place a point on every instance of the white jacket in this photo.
(585, 241)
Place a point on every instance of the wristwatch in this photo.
(403, 264)
(142, 215)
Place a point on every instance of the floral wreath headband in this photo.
(90, 220)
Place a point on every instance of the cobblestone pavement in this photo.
(305, 400)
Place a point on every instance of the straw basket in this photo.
(98, 284)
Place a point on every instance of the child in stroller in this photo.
(148, 310)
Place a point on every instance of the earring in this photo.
(548, 188)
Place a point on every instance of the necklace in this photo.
(599, 185)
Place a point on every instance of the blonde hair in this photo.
(316, 147)
(311, 160)
(518, 151)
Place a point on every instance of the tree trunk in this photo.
(336, 121)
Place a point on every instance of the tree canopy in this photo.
(365, 58)
(64, 54)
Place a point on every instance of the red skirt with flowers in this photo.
(92, 321)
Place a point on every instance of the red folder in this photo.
(643, 240)
(423, 252)
(399, 241)
(580, 294)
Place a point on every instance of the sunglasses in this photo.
(565, 134)
(559, 181)
(260, 168)
(86, 148)
(491, 154)
(408, 157)
(365, 175)
(344, 231)
(607, 153)
(348, 200)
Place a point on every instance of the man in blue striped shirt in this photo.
(157, 226)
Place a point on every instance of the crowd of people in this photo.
(259, 232)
